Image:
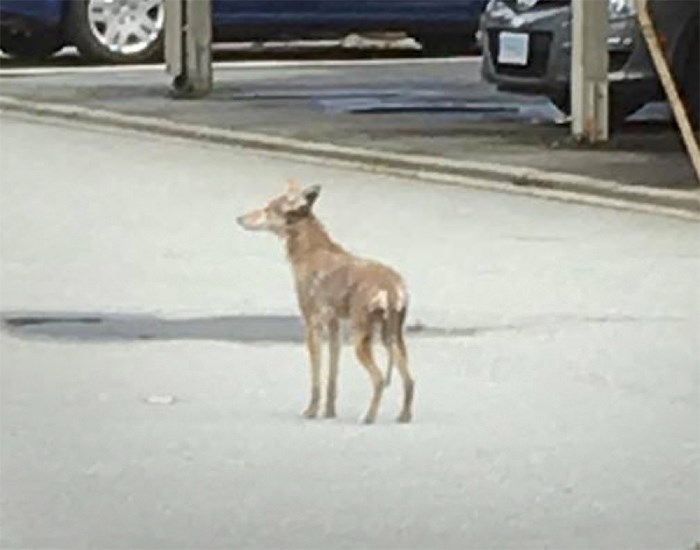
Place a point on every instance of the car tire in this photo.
(27, 46)
(105, 33)
(447, 45)
(690, 87)
(618, 111)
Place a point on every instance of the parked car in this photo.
(527, 49)
(121, 31)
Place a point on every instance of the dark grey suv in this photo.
(527, 49)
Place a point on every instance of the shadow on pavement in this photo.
(99, 327)
(250, 329)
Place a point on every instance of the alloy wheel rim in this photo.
(126, 27)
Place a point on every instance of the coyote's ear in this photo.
(310, 194)
(293, 187)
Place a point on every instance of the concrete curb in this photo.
(494, 177)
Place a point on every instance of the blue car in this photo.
(122, 31)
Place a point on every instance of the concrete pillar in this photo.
(589, 71)
(188, 35)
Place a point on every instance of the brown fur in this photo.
(332, 285)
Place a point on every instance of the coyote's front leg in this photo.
(334, 348)
(313, 342)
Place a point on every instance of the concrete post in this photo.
(188, 35)
(589, 71)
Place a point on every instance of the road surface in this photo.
(152, 380)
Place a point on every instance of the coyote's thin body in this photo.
(332, 285)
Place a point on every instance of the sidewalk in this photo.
(423, 115)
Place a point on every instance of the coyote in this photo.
(332, 285)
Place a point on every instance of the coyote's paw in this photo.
(311, 412)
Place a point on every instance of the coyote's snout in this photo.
(333, 285)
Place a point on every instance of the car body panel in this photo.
(46, 13)
(292, 18)
(549, 69)
(402, 11)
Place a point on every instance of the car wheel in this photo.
(445, 45)
(690, 88)
(118, 31)
(618, 111)
(28, 46)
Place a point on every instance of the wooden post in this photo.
(664, 72)
(188, 35)
(589, 71)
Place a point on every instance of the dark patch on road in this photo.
(408, 105)
(133, 327)
(20, 322)
(128, 327)
(250, 329)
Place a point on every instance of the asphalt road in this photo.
(557, 369)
